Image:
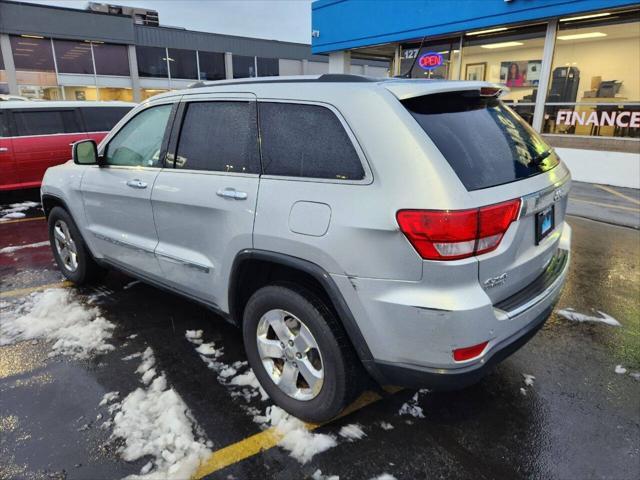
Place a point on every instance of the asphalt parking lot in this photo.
(566, 406)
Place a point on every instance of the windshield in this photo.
(484, 141)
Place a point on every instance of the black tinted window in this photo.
(211, 66)
(485, 143)
(219, 136)
(28, 122)
(4, 128)
(102, 119)
(306, 141)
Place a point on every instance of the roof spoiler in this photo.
(405, 89)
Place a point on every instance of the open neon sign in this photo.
(430, 60)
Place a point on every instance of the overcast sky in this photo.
(286, 20)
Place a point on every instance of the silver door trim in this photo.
(186, 263)
(122, 244)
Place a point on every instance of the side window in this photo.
(4, 128)
(219, 136)
(45, 122)
(306, 141)
(138, 143)
(102, 119)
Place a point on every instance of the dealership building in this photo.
(55, 53)
(572, 66)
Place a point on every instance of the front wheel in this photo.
(299, 352)
(70, 251)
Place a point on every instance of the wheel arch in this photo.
(50, 201)
(253, 269)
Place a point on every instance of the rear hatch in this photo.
(498, 157)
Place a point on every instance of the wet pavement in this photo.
(578, 420)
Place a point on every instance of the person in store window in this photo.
(514, 77)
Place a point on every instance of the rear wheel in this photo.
(70, 251)
(299, 352)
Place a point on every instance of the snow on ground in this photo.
(386, 426)
(14, 248)
(15, 210)
(301, 443)
(571, 314)
(317, 475)
(528, 379)
(352, 432)
(155, 422)
(57, 315)
(620, 370)
(296, 438)
(384, 476)
(412, 407)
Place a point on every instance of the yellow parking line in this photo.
(25, 291)
(621, 195)
(267, 439)
(31, 219)
(606, 205)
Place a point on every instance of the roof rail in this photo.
(325, 78)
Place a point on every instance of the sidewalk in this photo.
(616, 205)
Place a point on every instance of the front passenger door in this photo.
(117, 195)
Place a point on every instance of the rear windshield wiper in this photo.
(537, 160)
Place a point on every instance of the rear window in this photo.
(485, 142)
(102, 119)
(45, 122)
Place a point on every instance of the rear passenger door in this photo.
(204, 206)
(43, 138)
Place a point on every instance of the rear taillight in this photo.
(455, 234)
(467, 353)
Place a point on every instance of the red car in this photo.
(37, 135)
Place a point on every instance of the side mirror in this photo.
(85, 152)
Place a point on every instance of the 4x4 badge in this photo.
(495, 281)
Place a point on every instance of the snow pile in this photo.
(56, 314)
(528, 379)
(296, 438)
(14, 248)
(386, 426)
(412, 407)
(352, 432)
(15, 210)
(154, 421)
(317, 475)
(194, 336)
(384, 476)
(571, 314)
(620, 370)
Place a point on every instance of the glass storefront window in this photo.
(111, 59)
(150, 92)
(268, 67)
(512, 57)
(243, 67)
(152, 62)
(38, 92)
(183, 64)
(434, 60)
(32, 53)
(73, 57)
(121, 94)
(594, 89)
(81, 93)
(1, 61)
(211, 66)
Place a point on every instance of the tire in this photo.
(86, 269)
(341, 369)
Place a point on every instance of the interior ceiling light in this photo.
(584, 17)
(579, 36)
(31, 36)
(503, 45)
(492, 30)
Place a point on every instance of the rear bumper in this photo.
(412, 343)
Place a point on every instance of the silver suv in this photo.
(410, 230)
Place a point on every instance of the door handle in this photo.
(4, 149)
(231, 193)
(136, 184)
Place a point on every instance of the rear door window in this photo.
(484, 141)
(219, 136)
(306, 141)
(45, 122)
(102, 119)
